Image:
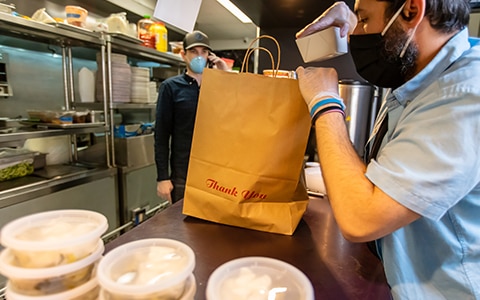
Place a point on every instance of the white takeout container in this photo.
(47, 281)
(86, 291)
(52, 238)
(146, 269)
(314, 180)
(259, 278)
(322, 45)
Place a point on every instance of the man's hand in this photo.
(164, 189)
(339, 15)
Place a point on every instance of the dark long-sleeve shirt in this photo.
(175, 120)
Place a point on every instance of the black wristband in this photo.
(324, 110)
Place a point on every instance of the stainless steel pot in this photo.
(362, 107)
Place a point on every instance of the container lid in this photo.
(9, 270)
(258, 278)
(75, 293)
(53, 230)
(145, 266)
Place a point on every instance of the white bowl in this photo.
(53, 238)
(146, 269)
(46, 281)
(259, 278)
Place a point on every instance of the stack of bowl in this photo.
(53, 255)
(148, 269)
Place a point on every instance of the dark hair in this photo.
(445, 16)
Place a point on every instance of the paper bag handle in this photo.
(250, 50)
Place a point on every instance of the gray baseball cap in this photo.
(196, 38)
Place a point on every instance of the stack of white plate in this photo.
(121, 79)
(140, 84)
(152, 92)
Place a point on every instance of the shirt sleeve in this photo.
(431, 160)
(163, 130)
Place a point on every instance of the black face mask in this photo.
(372, 65)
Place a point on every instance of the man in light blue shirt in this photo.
(419, 194)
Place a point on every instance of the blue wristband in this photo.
(325, 102)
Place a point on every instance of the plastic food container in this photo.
(47, 281)
(146, 269)
(279, 73)
(259, 278)
(15, 163)
(53, 238)
(86, 291)
(314, 179)
(76, 15)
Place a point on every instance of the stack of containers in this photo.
(148, 269)
(53, 255)
(140, 84)
(121, 79)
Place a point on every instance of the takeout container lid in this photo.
(283, 275)
(12, 271)
(9, 233)
(75, 293)
(114, 260)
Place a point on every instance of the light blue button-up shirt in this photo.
(430, 163)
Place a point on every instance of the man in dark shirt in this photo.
(175, 116)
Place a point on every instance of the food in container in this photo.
(51, 116)
(86, 291)
(53, 238)
(279, 73)
(48, 281)
(258, 278)
(146, 269)
(76, 15)
(15, 163)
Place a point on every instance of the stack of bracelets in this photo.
(324, 103)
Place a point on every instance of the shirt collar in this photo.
(447, 55)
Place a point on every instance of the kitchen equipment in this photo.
(361, 109)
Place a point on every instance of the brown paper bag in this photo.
(247, 152)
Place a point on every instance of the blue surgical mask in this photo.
(197, 64)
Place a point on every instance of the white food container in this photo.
(322, 45)
(53, 238)
(146, 269)
(48, 281)
(258, 278)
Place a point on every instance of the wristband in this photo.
(328, 102)
(326, 110)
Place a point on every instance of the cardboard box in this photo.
(322, 45)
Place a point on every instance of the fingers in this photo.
(339, 15)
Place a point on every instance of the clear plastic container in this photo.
(146, 269)
(48, 281)
(258, 278)
(86, 291)
(53, 238)
(160, 32)
(144, 32)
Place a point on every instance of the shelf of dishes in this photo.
(115, 105)
(47, 130)
(69, 35)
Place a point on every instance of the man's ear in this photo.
(413, 12)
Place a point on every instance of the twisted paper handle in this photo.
(250, 50)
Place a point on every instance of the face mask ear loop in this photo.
(409, 40)
(394, 17)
